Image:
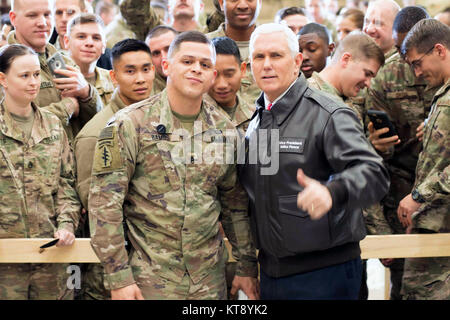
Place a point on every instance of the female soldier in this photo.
(37, 194)
(348, 21)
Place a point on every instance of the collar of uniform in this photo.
(8, 127)
(442, 91)
(116, 102)
(283, 107)
(326, 85)
(166, 117)
(242, 114)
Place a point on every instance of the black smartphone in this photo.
(56, 61)
(380, 120)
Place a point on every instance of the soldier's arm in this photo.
(67, 203)
(89, 106)
(112, 170)
(62, 109)
(140, 17)
(236, 224)
(83, 150)
(436, 185)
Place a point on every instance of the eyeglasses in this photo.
(418, 63)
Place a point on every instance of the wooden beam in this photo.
(27, 251)
(390, 246)
(406, 246)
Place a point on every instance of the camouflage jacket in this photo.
(407, 101)
(241, 117)
(84, 145)
(104, 85)
(170, 197)
(37, 190)
(249, 90)
(139, 16)
(316, 81)
(118, 30)
(159, 84)
(50, 98)
(433, 167)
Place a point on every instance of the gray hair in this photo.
(269, 28)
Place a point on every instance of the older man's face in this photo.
(273, 66)
(378, 23)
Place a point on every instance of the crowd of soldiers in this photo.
(90, 151)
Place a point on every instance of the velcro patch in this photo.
(107, 157)
(292, 145)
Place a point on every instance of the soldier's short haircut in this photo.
(128, 45)
(17, 4)
(158, 31)
(425, 35)
(84, 18)
(104, 7)
(408, 17)
(319, 29)
(225, 45)
(354, 15)
(191, 36)
(288, 11)
(11, 51)
(361, 46)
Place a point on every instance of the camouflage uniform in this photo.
(316, 81)
(216, 18)
(50, 99)
(118, 30)
(58, 47)
(171, 206)
(249, 91)
(407, 101)
(103, 84)
(429, 278)
(38, 198)
(241, 119)
(84, 147)
(159, 84)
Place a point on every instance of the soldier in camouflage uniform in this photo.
(159, 40)
(426, 209)
(407, 100)
(224, 95)
(80, 101)
(216, 18)
(149, 170)
(85, 42)
(240, 30)
(64, 10)
(129, 54)
(37, 188)
(118, 30)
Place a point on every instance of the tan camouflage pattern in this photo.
(50, 99)
(171, 207)
(317, 82)
(118, 30)
(249, 91)
(139, 17)
(32, 281)
(159, 84)
(38, 198)
(104, 85)
(216, 18)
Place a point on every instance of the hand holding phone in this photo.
(381, 120)
(56, 61)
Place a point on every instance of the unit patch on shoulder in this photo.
(107, 157)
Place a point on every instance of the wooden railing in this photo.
(372, 247)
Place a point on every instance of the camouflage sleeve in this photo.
(113, 167)
(90, 106)
(375, 220)
(140, 17)
(235, 222)
(60, 110)
(83, 150)
(436, 184)
(67, 203)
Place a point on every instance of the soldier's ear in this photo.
(112, 75)
(3, 80)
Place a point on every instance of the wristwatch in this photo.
(415, 195)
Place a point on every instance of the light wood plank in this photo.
(27, 251)
(372, 247)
